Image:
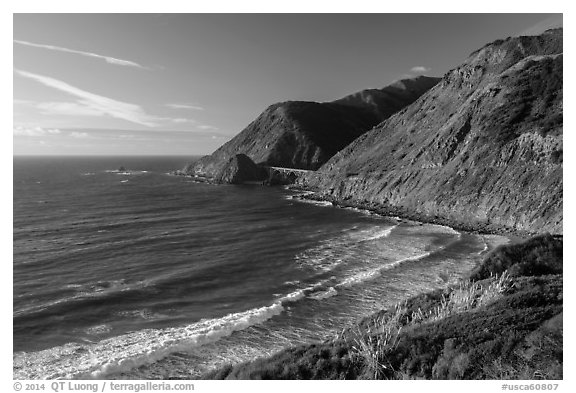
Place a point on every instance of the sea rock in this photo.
(483, 146)
(304, 135)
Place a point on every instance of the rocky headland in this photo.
(304, 135)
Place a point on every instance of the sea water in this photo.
(137, 273)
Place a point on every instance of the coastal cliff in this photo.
(484, 146)
(304, 135)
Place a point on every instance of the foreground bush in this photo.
(537, 256)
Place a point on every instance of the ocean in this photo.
(139, 274)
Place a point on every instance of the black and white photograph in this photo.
(287, 196)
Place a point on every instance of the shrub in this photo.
(536, 256)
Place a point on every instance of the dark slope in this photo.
(483, 146)
(304, 135)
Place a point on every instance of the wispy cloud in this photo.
(207, 127)
(180, 120)
(420, 69)
(93, 104)
(18, 101)
(185, 106)
(67, 109)
(107, 59)
(34, 131)
(80, 135)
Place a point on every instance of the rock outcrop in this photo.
(239, 169)
(304, 135)
(483, 146)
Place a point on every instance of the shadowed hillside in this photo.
(304, 135)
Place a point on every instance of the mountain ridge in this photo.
(482, 146)
(305, 134)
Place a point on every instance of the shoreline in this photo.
(404, 215)
(491, 239)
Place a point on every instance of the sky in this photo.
(184, 84)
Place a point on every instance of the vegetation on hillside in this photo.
(503, 323)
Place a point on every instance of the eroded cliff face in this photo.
(304, 135)
(483, 146)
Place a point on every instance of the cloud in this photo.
(420, 69)
(67, 108)
(180, 120)
(108, 59)
(80, 135)
(185, 106)
(34, 131)
(207, 127)
(93, 103)
(18, 101)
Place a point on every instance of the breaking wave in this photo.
(122, 353)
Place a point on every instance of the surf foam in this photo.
(122, 353)
(375, 272)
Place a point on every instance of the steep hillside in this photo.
(305, 135)
(483, 146)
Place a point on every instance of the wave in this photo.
(314, 202)
(417, 227)
(320, 290)
(485, 248)
(125, 173)
(324, 294)
(375, 272)
(492, 241)
(123, 353)
(324, 261)
(303, 292)
(368, 212)
(378, 234)
(88, 359)
(98, 329)
(331, 253)
(293, 296)
(83, 292)
(140, 314)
